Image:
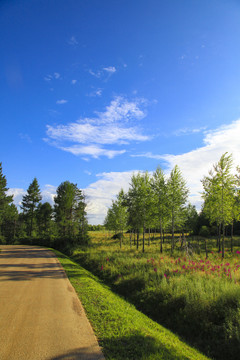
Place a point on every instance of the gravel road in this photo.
(41, 317)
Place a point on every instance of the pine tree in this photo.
(29, 204)
(70, 213)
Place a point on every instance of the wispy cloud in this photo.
(73, 41)
(60, 102)
(55, 76)
(110, 69)
(97, 74)
(25, 137)
(74, 82)
(189, 131)
(104, 72)
(96, 93)
(115, 126)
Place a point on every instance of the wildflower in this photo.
(227, 264)
(155, 269)
(237, 252)
(101, 267)
(165, 275)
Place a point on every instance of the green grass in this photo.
(195, 297)
(123, 332)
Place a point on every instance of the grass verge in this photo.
(122, 331)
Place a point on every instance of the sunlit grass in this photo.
(123, 332)
(197, 297)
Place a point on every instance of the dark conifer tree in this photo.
(30, 202)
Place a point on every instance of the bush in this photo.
(204, 231)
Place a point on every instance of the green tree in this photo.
(70, 214)
(177, 194)
(218, 194)
(29, 205)
(44, 216)
(9, 225)
(160, 203)
(5, 199)
(138, 201)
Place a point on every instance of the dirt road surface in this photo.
(41, 317)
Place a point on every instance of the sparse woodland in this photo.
(179, 267)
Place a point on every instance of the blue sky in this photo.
(94, 90)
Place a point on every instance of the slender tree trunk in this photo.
(232, 237)
(137, 238)
(134, 238)
(143, 244)
(219, 238)
(172, 247)
(223, 240)
(161, 237)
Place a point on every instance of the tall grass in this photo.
(195, 297)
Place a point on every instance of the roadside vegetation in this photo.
(123, 332)
(194, 296)
(177, 266)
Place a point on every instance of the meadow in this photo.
(196, 297)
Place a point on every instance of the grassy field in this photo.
(195, 297)
(123, 332)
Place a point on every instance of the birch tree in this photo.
(218, 194)
(177, 194)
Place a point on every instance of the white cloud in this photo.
(63, 101)
(74, 82)
(195, 164)
(109, 127)
(101, 193)
(189, 131)
(110, 69)
(73, 41)
(96, 74)
(48, 78)
(48, 192)
(55, 75)
(104, 72)
(17, 195)
(97, 92)
(94, 151)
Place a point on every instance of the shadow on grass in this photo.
(138, 346)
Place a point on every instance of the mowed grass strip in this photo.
(122, 331)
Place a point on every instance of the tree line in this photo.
(157, 202)
(63, 225)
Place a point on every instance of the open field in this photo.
(123, 332)
(195, 297)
